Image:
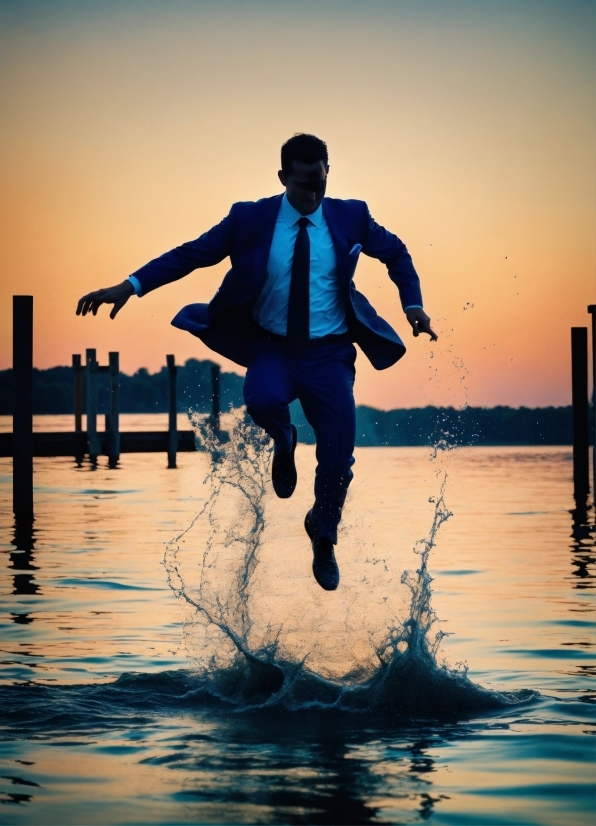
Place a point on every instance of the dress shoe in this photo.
(324, 566)
(283, 469)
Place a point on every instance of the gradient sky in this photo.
(467, 125)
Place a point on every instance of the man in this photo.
(289, 312)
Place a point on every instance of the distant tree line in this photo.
(144, 392)
(469, 426)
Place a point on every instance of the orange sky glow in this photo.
(468, 128)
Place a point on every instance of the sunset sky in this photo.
(467, 125)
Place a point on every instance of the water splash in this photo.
(238, 471)
(248, 664)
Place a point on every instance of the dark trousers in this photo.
(322, 379)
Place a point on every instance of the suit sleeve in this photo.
(382, 244)
(209, 249)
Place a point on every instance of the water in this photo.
(168, 657)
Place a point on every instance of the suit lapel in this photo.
(344, 270)
(265, 218)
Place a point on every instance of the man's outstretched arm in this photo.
(211, 248)
(387, 247)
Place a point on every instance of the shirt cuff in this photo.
(409, 307)
(136, 284)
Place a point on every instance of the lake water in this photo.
(168, 657)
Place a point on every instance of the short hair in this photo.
(304, 149)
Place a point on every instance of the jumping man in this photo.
(288, 311)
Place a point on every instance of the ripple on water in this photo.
(271, 733)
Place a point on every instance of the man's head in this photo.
(304, 168)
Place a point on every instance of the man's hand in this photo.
(118, 296)
(420, 322)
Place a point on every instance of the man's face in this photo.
(305, 185)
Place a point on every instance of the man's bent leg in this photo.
(268, 390)
(327, 397)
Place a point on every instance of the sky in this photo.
(468, 126)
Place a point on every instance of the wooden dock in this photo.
(77, 444)
(23, 444)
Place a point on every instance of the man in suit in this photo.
(288, 311)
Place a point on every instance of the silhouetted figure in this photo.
(288, 311)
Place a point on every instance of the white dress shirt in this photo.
(327, 315)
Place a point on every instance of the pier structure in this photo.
(22, 449)
(580, 403)
(23, 444)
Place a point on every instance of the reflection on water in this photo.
(105, 715)
(21, 559)
(582, 547)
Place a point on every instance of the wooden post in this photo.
(78, 392)
(22, 416)
(579, 384)
(114, 419)
(78, 399)
(94, 445)
(592, 311)
(215, 403)
(172, 412)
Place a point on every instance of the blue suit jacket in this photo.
(226, 324)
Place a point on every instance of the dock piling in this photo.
(579, 385)
(78, 392)
(172, 412)
(114, 418)
(22, 417)
(78, 370)
(92, 434)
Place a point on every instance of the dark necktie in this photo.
(298, 330)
